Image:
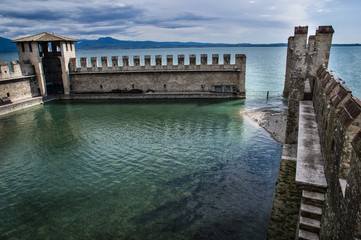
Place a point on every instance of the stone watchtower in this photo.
(303, 60)
(49, 54)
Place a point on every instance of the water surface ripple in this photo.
(135, 170)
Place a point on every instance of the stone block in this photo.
(204, 59)
(192, 59)
(125, 61)
(180, 60)
(313, 198)
(158, 61)
(169, 60)
(147, 61)
(226, 59)
(215, 59)
(115, 61)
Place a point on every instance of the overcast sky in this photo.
(222, 21)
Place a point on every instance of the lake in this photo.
(148, 169)
(181, 169)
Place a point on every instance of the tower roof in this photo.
(44, 37)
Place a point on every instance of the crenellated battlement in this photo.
(347, 107)
(115, 66)
(338, 115)
(174, 76)
(5, 72)
(17, 70)
(301, 30)
(323, 130)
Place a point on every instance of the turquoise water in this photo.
(135, 170)
(148, 170)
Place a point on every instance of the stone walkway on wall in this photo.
(301, 184)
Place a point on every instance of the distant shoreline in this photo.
(108, 43)
(169, 47)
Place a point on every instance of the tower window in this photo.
(30, 48)
(22, 47)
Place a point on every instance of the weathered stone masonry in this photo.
(16, 84)
(47, 66)
(166, 79)
(323, 126)
(302, 63)
(339, 120)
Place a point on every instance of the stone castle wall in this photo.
(325, 111)
(158, 77)
(339, 123)
(18, 84)
(303, 59)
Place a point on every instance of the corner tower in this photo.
(49, 54)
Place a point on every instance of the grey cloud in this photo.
(188, 16)
(33, 15)
(164, 23)
(184, 20)
(262, 23)
(93, 15)
(104, 32)
(78, 15)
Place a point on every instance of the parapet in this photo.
(239, 65)
(18, 70)
(301, 30)
(325, 29)
(347, 106)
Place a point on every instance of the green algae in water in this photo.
(185, 169)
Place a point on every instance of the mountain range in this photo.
(7, 46)
(111, 43)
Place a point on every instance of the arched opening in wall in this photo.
(53, 75)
